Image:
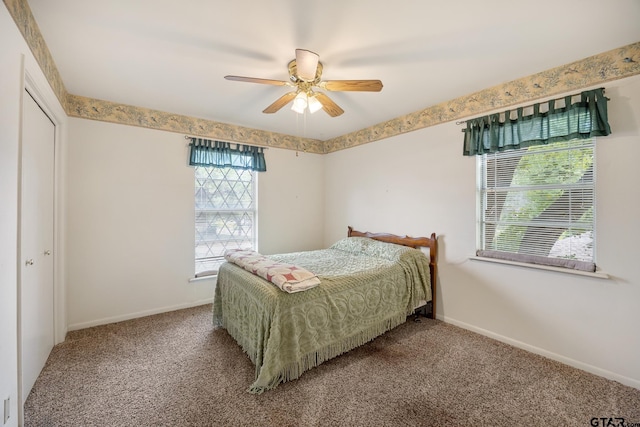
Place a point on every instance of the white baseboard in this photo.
(107, 320)
(550, 355)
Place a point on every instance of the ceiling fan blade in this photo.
(306, 64)
(280, 102)
(353, 85)
(256, 80)
(330, 107)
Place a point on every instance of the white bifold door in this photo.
(36, 243)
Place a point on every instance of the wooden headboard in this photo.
(414, 242)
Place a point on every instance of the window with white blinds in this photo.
(536, 204)
(225, 214)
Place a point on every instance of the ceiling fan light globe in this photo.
(299, 103)
(300, 100)
(297, 108)
(314, 104)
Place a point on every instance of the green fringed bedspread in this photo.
(367, 288)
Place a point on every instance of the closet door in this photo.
(36, 242)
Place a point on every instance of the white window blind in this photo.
(225, 214)
(537, 204)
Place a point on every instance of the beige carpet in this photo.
(174, 369)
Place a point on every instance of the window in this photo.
(536, 180)
(536, 204)
(225, 214)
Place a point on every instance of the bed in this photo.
(369, 284)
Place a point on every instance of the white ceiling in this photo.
(172, 55)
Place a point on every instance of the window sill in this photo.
(202, 278)
(596, 274)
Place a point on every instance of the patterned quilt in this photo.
(288, 277)
(366, 288)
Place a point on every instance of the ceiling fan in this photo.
(305, 73)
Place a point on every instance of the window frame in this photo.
(216, 261)
(507, 257)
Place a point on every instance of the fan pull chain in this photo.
(304, 129)
(297, 131)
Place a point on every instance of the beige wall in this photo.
(10, 60)
(420, 183)
(130, 212)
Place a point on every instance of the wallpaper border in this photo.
(106, 111)
(601, 68)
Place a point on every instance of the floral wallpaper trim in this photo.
(21, 13)
(106, 111)
(594, 70)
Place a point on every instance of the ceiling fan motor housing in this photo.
(293, 73)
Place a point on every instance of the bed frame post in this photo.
(433, 252)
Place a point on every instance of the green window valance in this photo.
(205, 152)
(498, 132)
